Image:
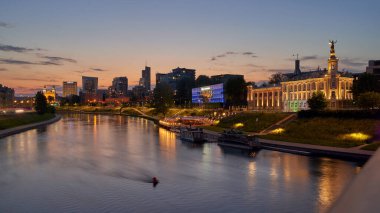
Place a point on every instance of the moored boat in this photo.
(236, 139)
(195, 135)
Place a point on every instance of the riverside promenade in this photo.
(15, 130)
(309, 149)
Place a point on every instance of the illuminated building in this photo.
(208, 94)
(69, 88)
(291, 95)
(145, 78)
(175, 76)
(119, 87)
(89, 89)
(50, 94)
(7, 96)
(217, 79)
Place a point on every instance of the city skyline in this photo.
(107, 40)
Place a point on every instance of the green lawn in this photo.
(327, 131)
(13, 120)
(251, 121)
(372, 147)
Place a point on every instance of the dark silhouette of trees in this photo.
(183, 93)
(40, 103)
(369, 100)
(202, 80)
(317, 101)
(163, 98)
(366, 82)
(277, 78)
(235, 91)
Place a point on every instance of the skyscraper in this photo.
(70, 88)
(89, 89)
(145, 78)
(120, 86)
(89, 85)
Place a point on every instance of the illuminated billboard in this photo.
(208, 94)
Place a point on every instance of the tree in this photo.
(277, 78)
(369, 100)
(183, 93)
(202, 80)
(40, 103)
(366, 82)
(162, 97)
(317, 101)
(235, 92)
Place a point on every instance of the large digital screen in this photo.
(208, 94)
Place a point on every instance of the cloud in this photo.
(97, 69)
(16, 62)
(353, 62)
(52, 60)
(306, 58)
(3, 24)
(253, 65)
(3, 69)
(59, 59)
(35, 79)
(49, 63)
(248, 53)
(278, 70)
(10, 48)
(309, 57)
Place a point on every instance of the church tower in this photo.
(332, 74)
(333, 60)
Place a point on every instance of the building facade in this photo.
(175, 76)
(145, 78)
(7, 96)
(69, 88)
(119, 87)
(218, 79)
(50, 94)
(89, 91)
(291, 95)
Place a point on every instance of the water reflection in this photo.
(96, 163)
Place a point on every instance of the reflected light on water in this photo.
(167, 141)
(62, 163)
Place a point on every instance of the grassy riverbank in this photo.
(327, 131)
(248, 121)
(372, 147)
(14, 120)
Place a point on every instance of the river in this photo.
(100, 163)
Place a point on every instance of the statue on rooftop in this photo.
(332, 43)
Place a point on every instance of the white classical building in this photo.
(291, 95)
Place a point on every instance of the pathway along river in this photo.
(99, 163)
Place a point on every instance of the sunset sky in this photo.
(47, 42)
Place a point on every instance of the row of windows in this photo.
(265, 94)
(312, 86)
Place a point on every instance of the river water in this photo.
(99, 163)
